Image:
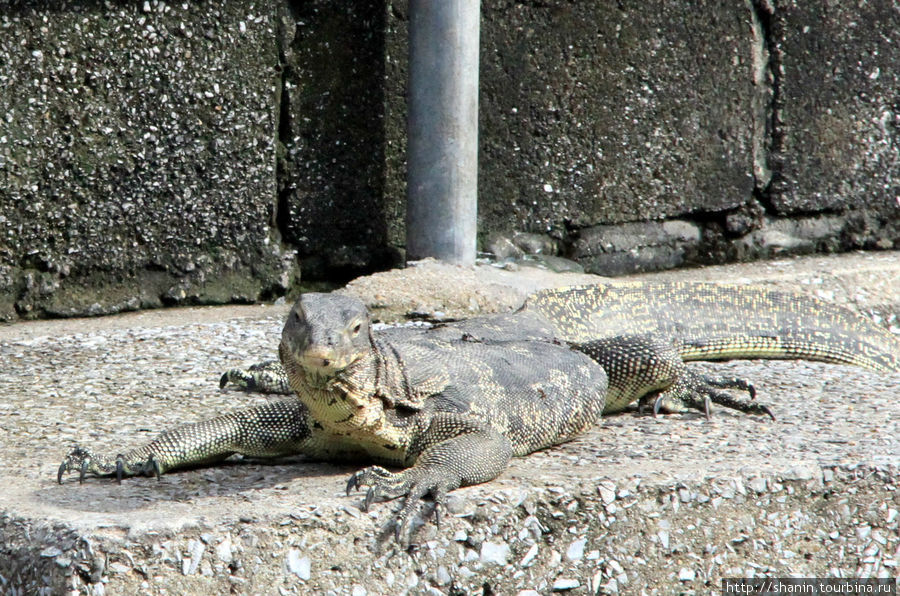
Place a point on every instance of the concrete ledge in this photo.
(663, 505)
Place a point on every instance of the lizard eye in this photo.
(357, 328)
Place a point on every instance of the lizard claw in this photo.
(352, 484)
(413, 486)
(265, 377)
(86, 462)
(698, 391)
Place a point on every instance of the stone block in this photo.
(137, 156)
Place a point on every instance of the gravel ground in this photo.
(638, 505)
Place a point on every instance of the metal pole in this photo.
(442, 148)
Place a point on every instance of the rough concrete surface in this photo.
(836, 131)
(137, 156)
(639, 505)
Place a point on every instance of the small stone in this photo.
(757, 484)
(686, 575)
(528, 559)
(663, 539)
(555, 558)
(575, 552)
(223, 551)
(493, 553)
(615, 567)
(528, 593)
(358, 591)
(562, 584)
(190, 565)
(119, 568)
(801, 473)
(442, 576)
(51, 551)
(299, 565)
(607, 492)
(863, 532)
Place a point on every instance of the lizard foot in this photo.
(86, 462)
(697, 391)
(412, 483)
(265, 377)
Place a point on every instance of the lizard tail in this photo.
(711, 321)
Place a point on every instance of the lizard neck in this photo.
(347, 401)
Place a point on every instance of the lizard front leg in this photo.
(274, 429)
(264, 377)
(458, 452)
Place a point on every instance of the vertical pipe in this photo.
(442, 149)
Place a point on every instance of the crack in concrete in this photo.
(768, 76)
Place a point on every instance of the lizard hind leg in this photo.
(697, 391)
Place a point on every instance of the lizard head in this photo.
(324, 335)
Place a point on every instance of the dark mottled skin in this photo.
(453, 403)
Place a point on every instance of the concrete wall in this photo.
(137, 156)
(161, 153)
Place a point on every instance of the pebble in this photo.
(607, 491)
(562, 584)
(528, 559)
(442, 576)
(493, 553)
(190, 565)
(575, 552)
(298, 564)
(757, 484)
(51, 551)
(223, 551)
(686, 575)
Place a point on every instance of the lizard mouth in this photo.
(319, 367)
(324, 362)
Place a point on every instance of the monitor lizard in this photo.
(452, 404)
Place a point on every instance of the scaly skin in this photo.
(453, 403)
